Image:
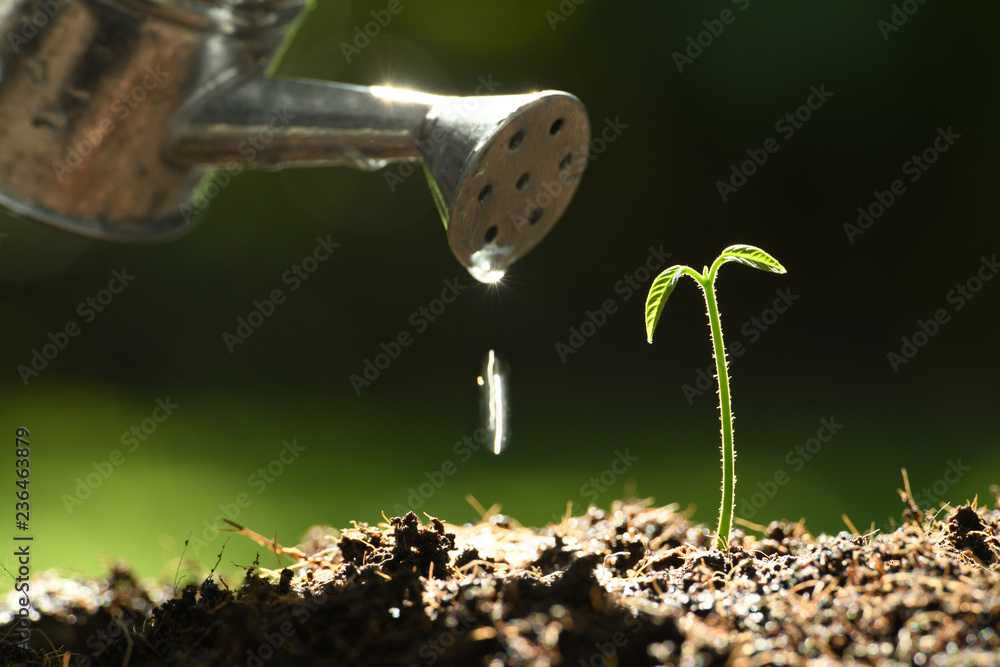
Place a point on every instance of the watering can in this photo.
(120, 118)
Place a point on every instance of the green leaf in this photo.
(659, 292)
(751, 256)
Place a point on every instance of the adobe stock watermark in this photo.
(601, 483)
(562, 12)
(420, 320)
(435, 478)
(99, 640)
(533, 207)
(786, 126)
(87, 310)
(89, 139)
(713, 29)
(915, 167)
(105, 468)
(273, 641)
(629, 284)
(959, 296)
(258, 482)
(752, 330)
(797, 457)
(606, 653)
(19, 630)
(294, 277)
(434, 649)
(900, 14)
(438, 136)
(251, 146)
(363, 35)
(30, 25)
(930, 496)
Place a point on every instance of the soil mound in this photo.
(635, 585)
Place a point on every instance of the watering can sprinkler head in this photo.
(115, 114)
(502, 171)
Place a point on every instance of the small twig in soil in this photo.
(476, 505)
(913, 510)
(746, 523)
(484, 514)
(219, 560)
(128, 642)
(47, 639)
(180, 560)
(480, 562)
(850, 525)
(266, 542)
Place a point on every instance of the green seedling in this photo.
(659, 292)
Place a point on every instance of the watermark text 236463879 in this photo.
(22, 470)
(22, 518)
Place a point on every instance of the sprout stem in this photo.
(725, 410)
(659, 292)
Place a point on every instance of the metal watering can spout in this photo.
(114, 113)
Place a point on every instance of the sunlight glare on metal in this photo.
(402, 94)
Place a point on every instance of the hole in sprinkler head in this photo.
(484, 194)
(523, 181)
(516, 140)
(534, 216)
(556, 126)
(566, 162)
(50, 117)
(491, 234)
(43, 121)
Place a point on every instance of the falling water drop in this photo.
(495, 406)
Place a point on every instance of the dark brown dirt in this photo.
(636, 585)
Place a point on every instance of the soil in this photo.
(633, 585)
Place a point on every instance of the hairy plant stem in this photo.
(659, 292)
(725, 410)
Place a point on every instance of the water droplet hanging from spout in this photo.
(488, 264)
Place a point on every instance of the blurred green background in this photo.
(654, 185)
